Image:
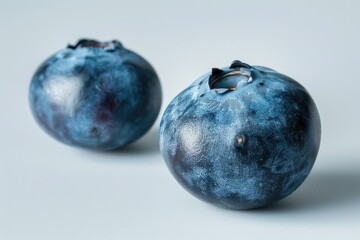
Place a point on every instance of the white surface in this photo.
(51, 191)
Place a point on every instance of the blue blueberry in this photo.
(241, 137)
(96, 95)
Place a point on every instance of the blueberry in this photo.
(96, 95)
(241, 137)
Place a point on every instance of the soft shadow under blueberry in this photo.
(325, 190)
(149, 143)
(146, 145)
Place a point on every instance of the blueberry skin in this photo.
(96, 95)
(241, 140)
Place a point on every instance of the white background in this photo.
(52, 191)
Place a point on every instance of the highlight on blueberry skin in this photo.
(241, 137)
(96, 95)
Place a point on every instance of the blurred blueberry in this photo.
(96, 95)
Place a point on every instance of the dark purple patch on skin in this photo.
(106, 109)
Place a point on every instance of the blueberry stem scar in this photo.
(239, 64)
(91, 43)
(217, 78)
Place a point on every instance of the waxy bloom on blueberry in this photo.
(241, 137)
(96, 95)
